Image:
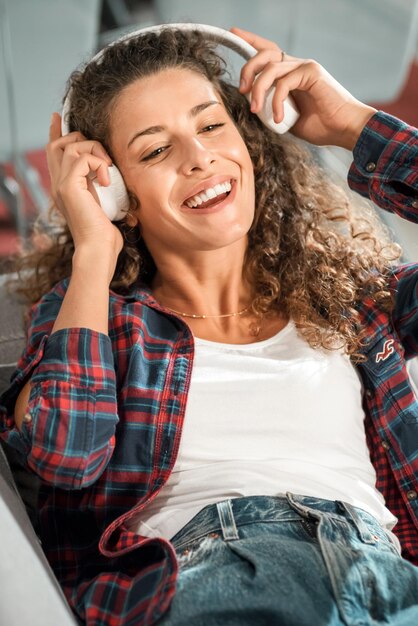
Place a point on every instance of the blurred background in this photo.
(370, 46)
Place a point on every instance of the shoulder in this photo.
(56, 294)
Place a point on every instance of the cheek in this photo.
(242, 156)
(141, 191)
(152, 210)
(236, 144)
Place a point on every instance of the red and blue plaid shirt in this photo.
(107, 411)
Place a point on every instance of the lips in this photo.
(209, 196)
(212, 205)
(209, 192)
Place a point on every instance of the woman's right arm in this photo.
(73, 372)
(85, 305)
(97, 242)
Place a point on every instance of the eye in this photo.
(212, 127)
(155, 153)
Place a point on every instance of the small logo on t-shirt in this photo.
(388, 349)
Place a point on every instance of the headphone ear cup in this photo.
(114, 198)
(291, 114)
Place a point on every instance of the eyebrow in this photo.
(152, 130)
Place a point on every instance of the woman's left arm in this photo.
(385, 149)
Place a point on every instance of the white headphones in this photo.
(114, 198)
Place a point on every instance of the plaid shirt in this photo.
(105, 415)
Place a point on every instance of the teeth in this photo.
(208, 194)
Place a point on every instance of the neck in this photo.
(210, 284)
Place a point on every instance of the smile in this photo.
(209, 196)
(224, 194)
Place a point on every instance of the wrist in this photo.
(97, 262)
(356, 126)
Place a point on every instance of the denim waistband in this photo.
(225, 516)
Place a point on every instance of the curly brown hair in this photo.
(312, 254)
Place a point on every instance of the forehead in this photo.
(169, 86)
(162, 99)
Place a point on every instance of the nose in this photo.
(195, 156)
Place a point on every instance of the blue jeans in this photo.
(290, 561)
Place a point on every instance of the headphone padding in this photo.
(113, 199)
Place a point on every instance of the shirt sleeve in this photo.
(385, 166)
(68, 434)
(403, 282)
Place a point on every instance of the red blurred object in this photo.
(406, 105)
(9, 240)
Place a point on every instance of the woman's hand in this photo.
(72, 161)
(329, 114)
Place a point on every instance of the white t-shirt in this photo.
(263, 419)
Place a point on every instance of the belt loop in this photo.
(364, 533)
(226, 517)
(304, 511)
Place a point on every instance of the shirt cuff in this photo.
(384, 167)
(78, 355)
(378, 132)
(74, 355)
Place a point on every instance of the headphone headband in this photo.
(213, 34)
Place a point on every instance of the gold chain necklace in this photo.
(204, 317)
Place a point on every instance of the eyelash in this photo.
(213, 126)
(158, 151)
(154, 153)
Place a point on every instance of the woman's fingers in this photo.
(272, 73)
(262, 71)
(267, 52)
(255, 66)
(75, 143)
(78, 174)
(75, 192)
(55, 127)
(63, 152)
(259, 43)
(82, 170)
(73, 149)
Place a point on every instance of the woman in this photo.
(247, 295)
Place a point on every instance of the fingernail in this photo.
(242, 83)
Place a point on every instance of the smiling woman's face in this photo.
(182, 156)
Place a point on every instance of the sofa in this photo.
(29, 592)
